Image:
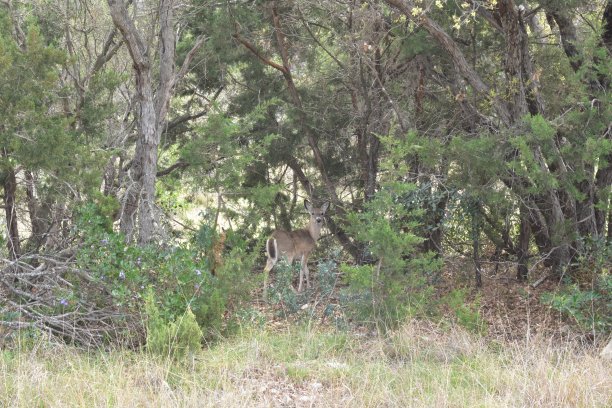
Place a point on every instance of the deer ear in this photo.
(325, 206)
(308, 206)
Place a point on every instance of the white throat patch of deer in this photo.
(297, 244)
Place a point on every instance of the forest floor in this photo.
(510, 310)
(529, 357)
(513, 310)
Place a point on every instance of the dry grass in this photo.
(418, 366)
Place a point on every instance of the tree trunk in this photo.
(154, 101)
(146, 151)
(433, 241)
(585, 209)
(609, 238)
(38, 224)
(129, 206)
(476, 247)
(10, 189)
(567, 31)
(523, 245)
(109, 178)
(147, 120)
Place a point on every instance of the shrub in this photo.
(327, 274)
(587, 299)
(281, 292)
(591, 309)
(466, 313)
(179, 276)
(396, 285)
(173, 339)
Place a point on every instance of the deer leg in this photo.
(304, 271)
(307, 271)
(301, 279)
(269, 265)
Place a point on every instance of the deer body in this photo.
(296, 244)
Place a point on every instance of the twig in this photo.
(540, 281)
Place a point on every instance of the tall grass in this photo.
(414, 366)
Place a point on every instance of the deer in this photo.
(296, 244)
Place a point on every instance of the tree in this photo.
(551, 185)
(33, 134)
(153, 99)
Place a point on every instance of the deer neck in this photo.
(315, 230)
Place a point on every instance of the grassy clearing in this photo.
(414, 366)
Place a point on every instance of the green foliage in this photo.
(466, 312)
(38, 132)
(281, 292)
(98, 216)
(477, 159)
(590, 309)
(395, 285)
(174, 339)
(32, 134)
(327, 274)
(222, 146)
(588, 299)
(98, 101)
(537, 140)
(179, 276)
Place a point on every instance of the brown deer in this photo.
(296, 244)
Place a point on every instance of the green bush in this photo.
(397, 283)
(466, 313)
(587, 299)
(281, 292)
(179, 276)
(173, 339)
(327, 274)
(591, 309)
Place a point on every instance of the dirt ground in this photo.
(513, 310)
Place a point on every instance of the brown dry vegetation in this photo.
(418, 365)
(511, 309)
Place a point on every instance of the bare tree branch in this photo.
(178, 165)
(185, 67)
(259, 55)
(459, 60)
(109, 49)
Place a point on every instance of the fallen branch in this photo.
(540, 281)
(31, 286)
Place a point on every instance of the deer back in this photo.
(294, 244)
